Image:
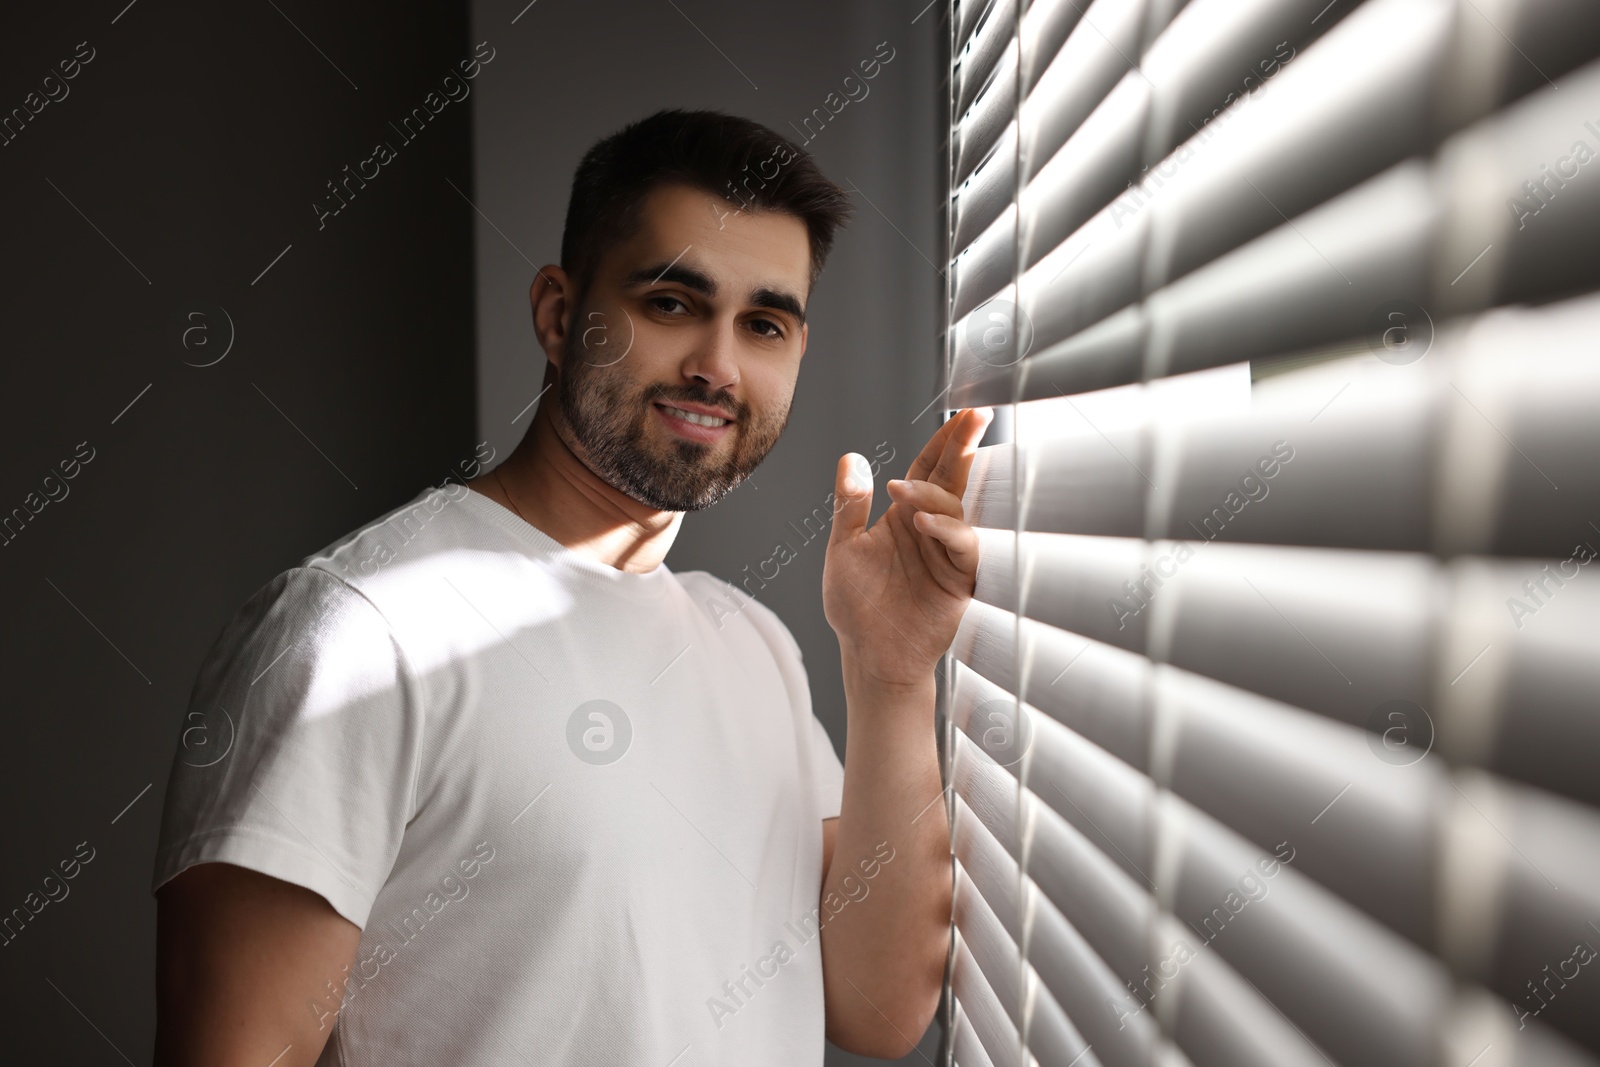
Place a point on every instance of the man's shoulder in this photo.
(303, 621)
(433, 521)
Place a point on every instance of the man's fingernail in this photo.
(860, 469)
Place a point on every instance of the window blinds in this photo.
(1272, 729)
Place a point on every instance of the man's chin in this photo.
(675, 499)
(685, 447)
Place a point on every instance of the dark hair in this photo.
(726, 155)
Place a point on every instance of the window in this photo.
(1274, 726)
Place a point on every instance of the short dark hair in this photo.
(729, 156)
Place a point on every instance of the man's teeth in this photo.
(694, 417)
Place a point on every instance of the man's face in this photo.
(703, 307)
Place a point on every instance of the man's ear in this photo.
(805, 331)
(550, 299)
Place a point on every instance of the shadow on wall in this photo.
(209, 377)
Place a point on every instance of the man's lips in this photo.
(693, 431)
(698, 409)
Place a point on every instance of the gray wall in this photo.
(569, 73)
(182, 159)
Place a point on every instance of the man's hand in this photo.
(895, 594)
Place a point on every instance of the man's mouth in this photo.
(694, 417)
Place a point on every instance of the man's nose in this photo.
(713, 361)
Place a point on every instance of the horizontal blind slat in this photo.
(1096, 792)
(992, 948)
(1221, 1020)
(1348, 983)
(1514, 687)
(1069, 767)
(1097, 161)
(982, 272)
(986, 913)
(965, 1042)
(988, 1017)
(982, 128)
(1209, 54)
(1102, 46)
(1332, 631)
(1314, 281)
(1107, 801)
(1083, 986)
(1519, 890)
(990, 792)
(992, 870)
(968, 15)
(977, 60)
(1052, 1035)
(1045, 28)
(1363, 827)
(1098, 691)
(985, 194)
(1169, 1055)
(1070, 579)
(990, 496)
(1459, 451)
(1112, 910)
(1103, 355)
(1374, 71)
(1099, 269)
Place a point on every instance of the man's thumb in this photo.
(852, 495)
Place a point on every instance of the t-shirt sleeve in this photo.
(298, 753)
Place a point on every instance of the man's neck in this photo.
(552, 490)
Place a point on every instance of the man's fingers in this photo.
(924, 496)
(955, 459)
(852, 496)
(937, 513)
(933, 456)
(930, 452)
(960, 540)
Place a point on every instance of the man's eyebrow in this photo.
(700, 282)
(779, 300)
(687, 277)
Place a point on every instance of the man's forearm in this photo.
(887, 920)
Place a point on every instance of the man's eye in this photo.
(667, 304)
(773, 330)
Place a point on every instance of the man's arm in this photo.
(894, 595)
(887, 864)
(248, 968)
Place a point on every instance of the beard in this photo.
(608, 415)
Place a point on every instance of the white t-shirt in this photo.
(577, 812)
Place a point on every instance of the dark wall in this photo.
(171, 187)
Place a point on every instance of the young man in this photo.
(484, 782)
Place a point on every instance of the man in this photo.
(484, 782)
